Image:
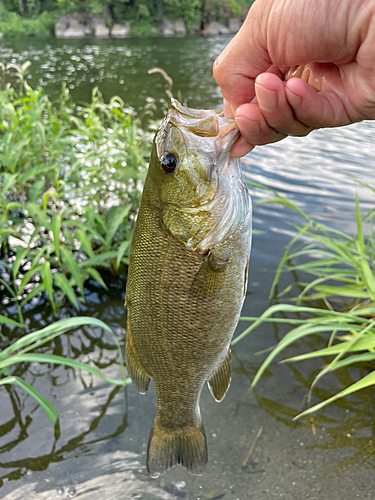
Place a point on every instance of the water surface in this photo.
(100, 453)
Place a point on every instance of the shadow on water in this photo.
(42, 462)
(85, 344)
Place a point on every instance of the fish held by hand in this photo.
(187, 278)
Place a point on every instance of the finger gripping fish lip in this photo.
(204, 123)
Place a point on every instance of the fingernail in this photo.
(293, 99)
(245, 124)
(267, 99)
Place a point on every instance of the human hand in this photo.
(308, 64)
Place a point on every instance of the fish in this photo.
(187, 278)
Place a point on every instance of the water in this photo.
(100, 452)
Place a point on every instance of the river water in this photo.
(100, 452)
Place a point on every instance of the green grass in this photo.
(341, 267)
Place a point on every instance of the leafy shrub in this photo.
(12, 24)
(70, 185)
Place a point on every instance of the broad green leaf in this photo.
(85, 242)
(39, 215)
(72, 267)
(58, 360)
(360, 240)
(364, 382)
(47, 194)
(343, 291)
(101, 259)
(36, 190)
(7, 321)
(68, 235)
(20, 256)
(27, 277)
(46, 405)
(56, 227)
(8, 182)
(63, 283)
(283, 201)
(100, 222)
(34, 292)
(40, 129)
(55, 329)
(122, 249)
(36, 172)
(350, 360)
(95, 274)
(362, 344)
(47, 280)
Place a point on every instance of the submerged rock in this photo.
(166, 27)
(101, 31)
(121, 30)
(179, 27)
(215, 28)
(70, 27)
(234, 24)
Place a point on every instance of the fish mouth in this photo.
(206, 124)
(227, 199)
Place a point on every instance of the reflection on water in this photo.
(100, 450)
(119, 67)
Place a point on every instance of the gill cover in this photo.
(205, 199)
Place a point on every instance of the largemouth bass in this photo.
(187, 278)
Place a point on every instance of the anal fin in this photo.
(140, 378)
(219, 381)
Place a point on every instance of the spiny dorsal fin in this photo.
(141, 379)
(219, 381)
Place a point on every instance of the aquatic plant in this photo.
(24, 350)
(70, 184)
(340, 298)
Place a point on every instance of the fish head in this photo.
(195, 175)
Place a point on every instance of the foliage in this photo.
(36, 17)
(70, 185)
(12, 24)
(342, 267)
(19, 352)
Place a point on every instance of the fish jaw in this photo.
(207, 199)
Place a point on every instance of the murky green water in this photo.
(100, 452)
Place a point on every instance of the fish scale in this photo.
(184, 302)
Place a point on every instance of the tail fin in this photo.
(186, 446)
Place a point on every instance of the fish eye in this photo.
(169, 163)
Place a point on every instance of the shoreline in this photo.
(83, 25)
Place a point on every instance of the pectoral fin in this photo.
(141, 379)
(219, 381)
(210, 274)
